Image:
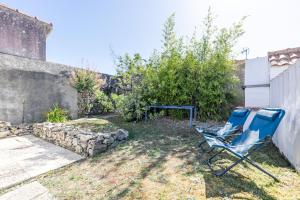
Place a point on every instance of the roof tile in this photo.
(284, 57)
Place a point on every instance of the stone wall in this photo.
(81, 141)
(29, 88)
(7, 130)
(22, 35)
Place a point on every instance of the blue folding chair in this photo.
(259, 133)
(234, 124)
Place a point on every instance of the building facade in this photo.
(22, 35)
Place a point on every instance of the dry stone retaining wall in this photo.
(82, 141)
(6, 129)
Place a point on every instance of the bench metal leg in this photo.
(191, 118)
(146, 116)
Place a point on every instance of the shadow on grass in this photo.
(160, 139)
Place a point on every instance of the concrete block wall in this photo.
(29, 88)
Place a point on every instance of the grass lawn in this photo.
(161, 161)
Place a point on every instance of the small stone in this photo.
(78, 149)
(4, 134)
(91, 144)
(100, 137)
(113, 145)
(108, 141)
(84, 145)
(4, 124)
(106, 135)
(90, 152)
(85, 137)
(75, 142)
(99, 148)
(122, 134)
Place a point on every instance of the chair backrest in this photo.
(236, 121)
(263, 125)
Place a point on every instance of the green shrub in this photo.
(198, 72)
(118, 102)
(102, 103)
(134, 107)
(56, 115)
(157, 115)
(131, 107)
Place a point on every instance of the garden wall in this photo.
(81, 141)
(257, 79)
(30, 87)
(285, 93)
(7, 130)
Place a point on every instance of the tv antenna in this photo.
(246, 52)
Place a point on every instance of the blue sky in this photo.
(86, 32)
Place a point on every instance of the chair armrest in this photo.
(213, 129)
(252, 144)
(238, 133)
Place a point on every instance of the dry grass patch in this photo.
(95, 124)
(161, 161)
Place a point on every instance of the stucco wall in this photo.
(30, 87)
(257, 74)
(22, 35)
(285, 93)
(275, 71)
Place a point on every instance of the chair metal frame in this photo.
(244, 156)
(257, 147)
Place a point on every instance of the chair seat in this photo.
(215, 142)
(239, 150)
(218, 130)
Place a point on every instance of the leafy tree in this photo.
(198, 72)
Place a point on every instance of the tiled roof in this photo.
(284, 57)
(48, 26)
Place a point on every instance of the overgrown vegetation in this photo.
(199, 71)
(87, 83)
(56, 115)
(102, 103)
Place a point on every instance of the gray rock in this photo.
(108, 141)
(122, 134)
(75, 142)
(84, 138)
(78, 149)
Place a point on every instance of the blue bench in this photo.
(191, 109)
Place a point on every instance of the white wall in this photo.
(275, 71)
(257, 72)
(257, 97)
(285, 93)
